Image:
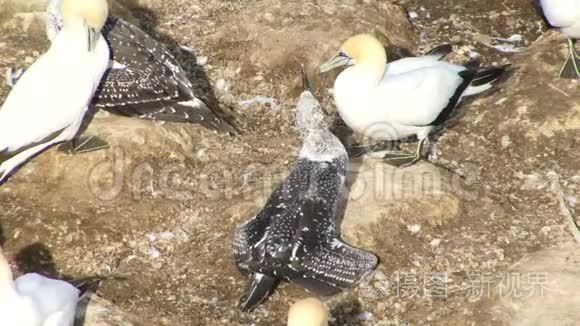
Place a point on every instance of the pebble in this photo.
(202, 60)
(414, 228)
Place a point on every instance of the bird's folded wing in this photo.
(45, 101)
(334, 267)
(417, 97)
(139, 74)
(246, 236)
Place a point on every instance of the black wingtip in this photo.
(440, 51)
(305, 82)
(88, 285)
(488, 75)
(335, 268)
(257, 291)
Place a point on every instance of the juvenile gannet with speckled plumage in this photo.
(407, 97)
(35, 300)
(294, 236)
(565, 15)
(144, 79)
(49, 102)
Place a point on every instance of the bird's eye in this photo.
(342, 54)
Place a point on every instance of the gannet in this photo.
(407, 97)
(308, 312)
(48, 103)
(294, 236)
(144, 79)
(565, 15)
(35, 300)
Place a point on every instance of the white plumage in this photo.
(144, 80)
(35, 300)
(50, 100)
(565, 15)
(408, 97)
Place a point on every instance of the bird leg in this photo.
(13, 75)
(84, 144)
(405, 159)
(571, 68)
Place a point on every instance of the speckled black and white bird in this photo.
(49, 102)
(294, 237)
(144, 79)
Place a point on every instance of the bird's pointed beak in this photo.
(305, 81)
(93, 38)
(338, 61)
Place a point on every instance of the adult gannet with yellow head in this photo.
(35, 300)
(565, 15)
(49, 102)
(408, 97)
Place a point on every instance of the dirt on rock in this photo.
(154, 215)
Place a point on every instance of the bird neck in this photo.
(72, 38)
(371, 63)
(321, 145)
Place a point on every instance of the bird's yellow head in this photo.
(93, 13)
(362, 49)
(308, 312)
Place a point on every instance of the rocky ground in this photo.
(479, 235)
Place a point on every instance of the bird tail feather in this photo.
(258, 289)
(205, 116)
(483, 79)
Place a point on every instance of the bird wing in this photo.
(146, 80)
(139, 74)
(333, 267)
(406, 65)
(416, 98)
(324, 264)
(42, 104)
(56, 300)
(246, 236)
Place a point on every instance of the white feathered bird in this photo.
(35, 300)
(144, 80)
(49, 102)
(407, 97)
(565, 15)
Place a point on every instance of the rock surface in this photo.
(546, 292)
(160, 206)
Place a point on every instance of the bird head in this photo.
(308, 312)
(92, 13)
(362, 49)
(309, 113)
